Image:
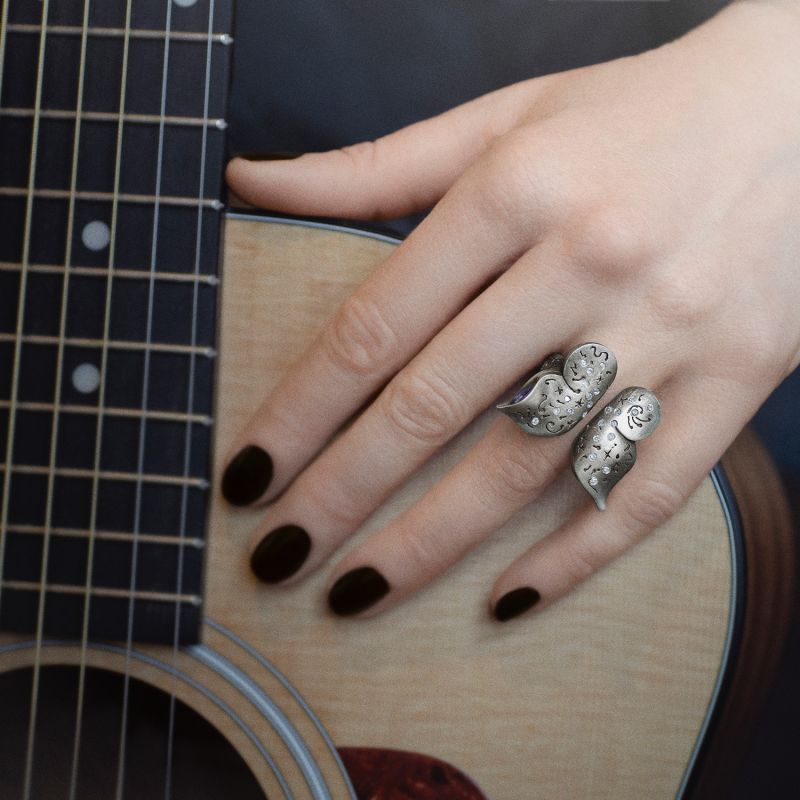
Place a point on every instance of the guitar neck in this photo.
(112, 142)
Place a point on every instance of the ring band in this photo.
(562, 391)
(605, 451)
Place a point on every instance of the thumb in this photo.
(398, 174)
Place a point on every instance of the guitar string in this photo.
(9, 440)
(103, 369)
(187, 449)
(54, 427)
(15, 390)
(3, 32)
(143, 425)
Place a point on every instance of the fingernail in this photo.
(247, 476)
(277, 156)
(356, 590)
(515, 602)
(280, 553)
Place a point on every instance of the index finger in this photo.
(377, 330)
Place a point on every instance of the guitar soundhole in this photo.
(205, 765)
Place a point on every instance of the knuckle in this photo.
(329, 500)
(610, 241)
(684, 299)
(509, 182)
(359, 340)
(515, 474)
(424, 406)
(422, 551)
(651, 505)
(366, 161)
(581, 560)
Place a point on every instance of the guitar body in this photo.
(620, 690)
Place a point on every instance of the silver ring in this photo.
(605, 451)
(562, 391)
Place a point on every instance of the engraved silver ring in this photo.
(562, 391)
(605, 450)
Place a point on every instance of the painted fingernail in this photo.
(515, 602)
(247, 476)
(357, 590)
(280, 553)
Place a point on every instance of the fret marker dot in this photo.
(95, 235)
(184, 3)
(86, 378)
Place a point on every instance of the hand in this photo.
(651, 203)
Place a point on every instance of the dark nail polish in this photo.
(356, 590)
(247, 476)
(280, 553)
(277, 156)
(515, 602)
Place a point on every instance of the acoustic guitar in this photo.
(139, 658)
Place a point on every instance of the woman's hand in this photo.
(651, 203)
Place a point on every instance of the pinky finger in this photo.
(670, 466)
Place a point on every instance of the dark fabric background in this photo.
(316, 74)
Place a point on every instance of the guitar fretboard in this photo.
(112, 138)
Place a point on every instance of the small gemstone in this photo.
(589, 371)
(607, 410)
(601, 423)
(589, 404)
(614, 423)
(592, 456)
(650, 407)
(617, 410)
(596, 392)
(520, 394)
(606, 470)
(584, 414)
(556, 411)
(583, 362)
(570, 410)
(596, 439)
(534, 421)
(588, 395)
(593, 480)
(567, 398)
(611, 436)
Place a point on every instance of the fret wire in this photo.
(134, 33)
(121, 536)
(179, 349)
(63, 194)
(75, 472)
(133, 413)
(110, 116)
(96, 272)
(101, 591)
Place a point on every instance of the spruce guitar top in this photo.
(139, 658)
